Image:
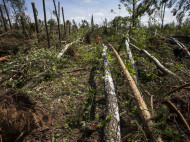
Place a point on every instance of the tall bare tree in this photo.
(57, 22)
(4, 22)
(44, 7)
(64, 22)
(35, 18)
(7, 14)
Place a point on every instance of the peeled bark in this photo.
(112, 130)
(65, 49)
(4, 58)
(130, 57)
(157, 63)
(144, 113)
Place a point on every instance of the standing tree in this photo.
(92, 24)
(68, 25)
(181, 6)
(7, 14)
(137, 8)
(35, 18)
(74, 26)
(4, 22)
(57, 22)
(44, 7)
(64, 22)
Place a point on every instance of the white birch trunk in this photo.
(130, 57)
(112, 130)
(65, 49)
(157, 63)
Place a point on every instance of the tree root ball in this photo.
(19, 117)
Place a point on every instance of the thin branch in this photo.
(179, 113)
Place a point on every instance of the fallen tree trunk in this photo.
(112, 130)
(144, 113)
(170, 38)
(180, 114)
(130, 57)
(4, 58)
(180, 45)
(157, 63)
(66, 47)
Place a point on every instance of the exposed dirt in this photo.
(20, 117)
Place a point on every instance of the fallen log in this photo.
(112, 130)
(157, 63)
(65, 49)
(180, 114)
(171, 38)
(181, 45)
(130, 57)
(4, 58)
(144, 113)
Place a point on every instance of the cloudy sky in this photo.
(83, 9)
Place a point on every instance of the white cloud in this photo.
(87, 0)
(100, 14)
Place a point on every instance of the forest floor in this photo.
(69, 105)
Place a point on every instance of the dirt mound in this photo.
(20, 118)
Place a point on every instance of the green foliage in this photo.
(39, 65)
(129, 66)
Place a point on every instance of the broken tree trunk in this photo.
(144, 113)
(23, 23)
(130, 57)
(44, 7)
(180, 114)
(7, 14)
(35, 18)
(4, 22)
(66, 47)
(4, 58)
(112, 130)
(157, 63)
(180, 45)
(64, 22)
(57, 22)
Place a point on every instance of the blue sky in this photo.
(77, 9)
(83, 9)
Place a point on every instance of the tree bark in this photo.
(162, 16)
(46, 23)
(112, 130)
(57, 22)
(4, 58)
(144, 113)
(65, 49)
(4, 22)
(23, 23)
(130, 57)
(64, 22)
(7, 14)
(157, 63)
(180, 114)
(35, 18)
(180, 45)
